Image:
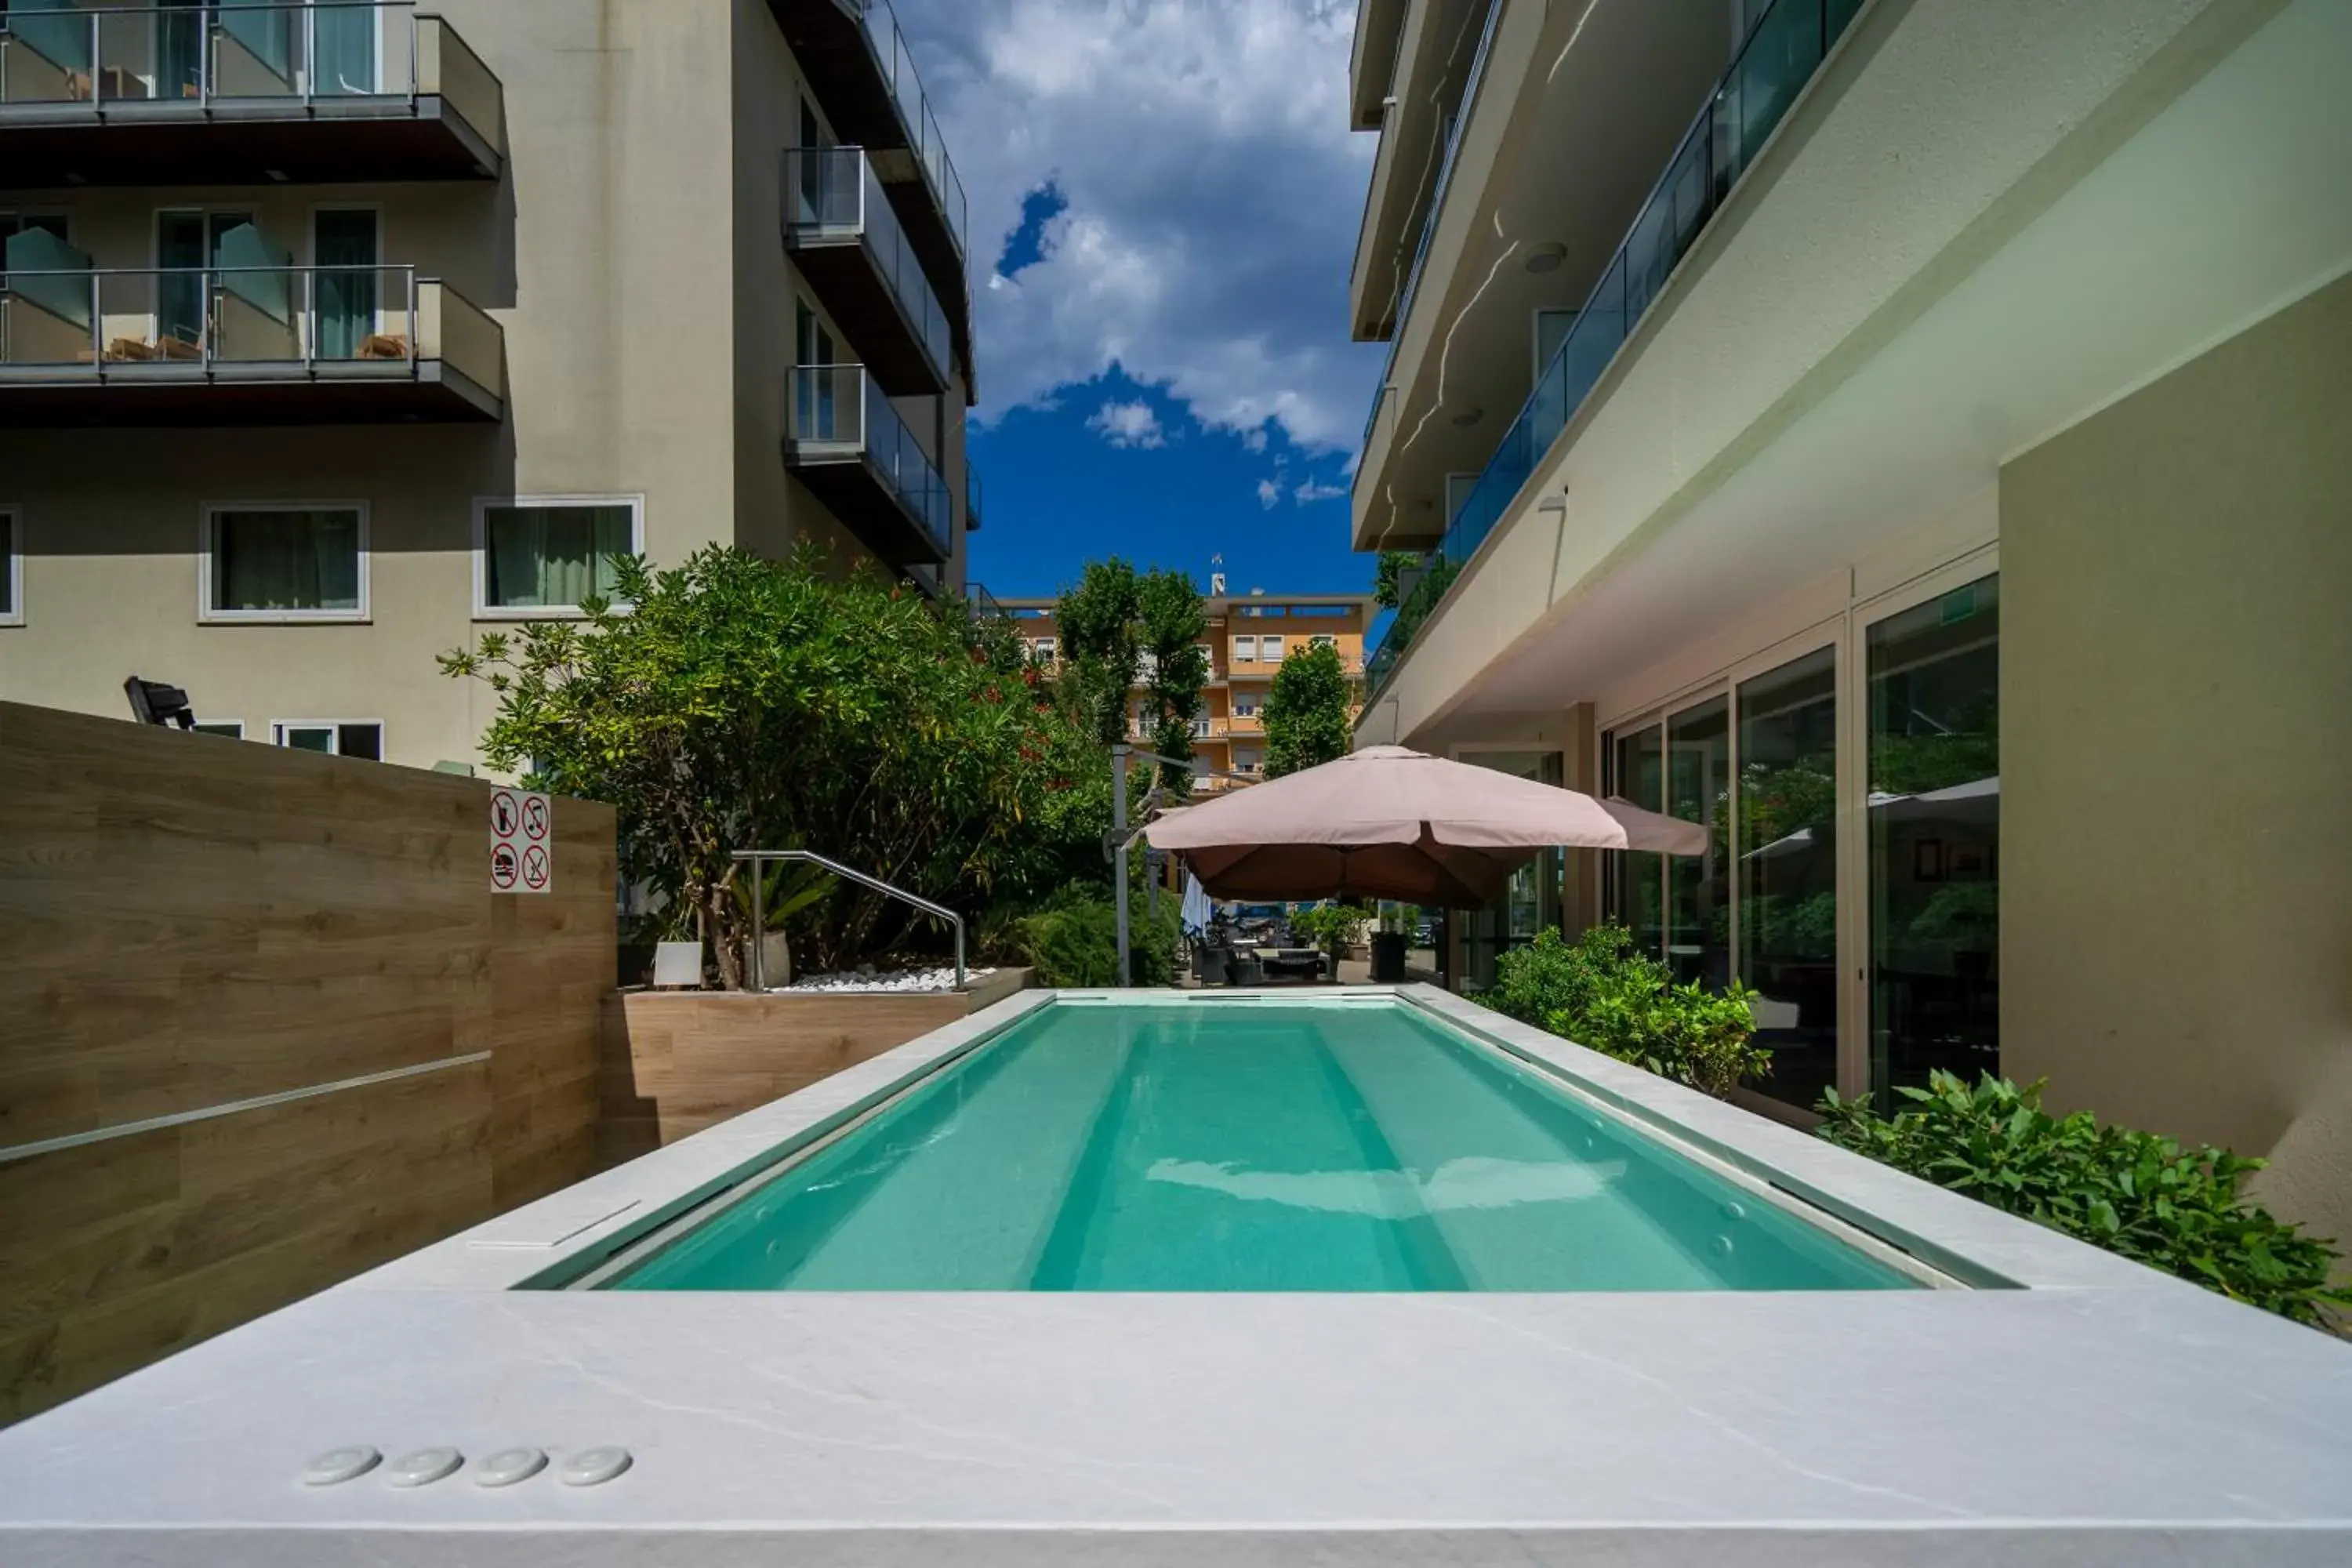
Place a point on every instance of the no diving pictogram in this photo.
(522, 826)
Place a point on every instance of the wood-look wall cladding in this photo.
(188, 921)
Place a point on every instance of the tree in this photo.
(1176, 668)
(1101, 624)
(739, 703)
(1306, 711)
(1388, 578)
(1121, 630)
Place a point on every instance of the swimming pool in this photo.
(1356, 1143)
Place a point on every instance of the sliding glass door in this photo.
(1788, 845)
(1853, 793)
(1934, 831)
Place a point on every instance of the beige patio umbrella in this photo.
(1390, 823)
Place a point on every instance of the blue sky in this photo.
(1163, 197)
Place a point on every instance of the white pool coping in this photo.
(2100, 1414)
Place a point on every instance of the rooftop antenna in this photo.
(1216, 576)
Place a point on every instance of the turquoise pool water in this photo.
(1248, 1146)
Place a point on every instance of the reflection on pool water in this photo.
(1357, 1145)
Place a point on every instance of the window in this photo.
(1044, 649)
(1246, 648)
(228, 729)
(548, 556)
(12, 570)
(1323, 639)
(284, 561)
(1244, 704)
(1270, 649)
(331, 737)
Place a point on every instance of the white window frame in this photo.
(1270, 649)
(207, 541)
(1323, 639)
(1245, 648)
(1045, 650)
(12, 564)
(277, 728)
(486, 611)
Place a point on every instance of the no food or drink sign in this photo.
(521, 848)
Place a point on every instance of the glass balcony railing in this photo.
(1453, 126)
(839, 411)
(1785, 48)
(63, 53)
(971, 498)
(832, 193)
(239, 322)
(887, 45)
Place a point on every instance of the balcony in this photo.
(243, 345)
(853, 52)
(847, 444)
(1780, 56)
(971, 498)
(841, 230)
(241, 94)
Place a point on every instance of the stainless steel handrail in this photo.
(760, 905)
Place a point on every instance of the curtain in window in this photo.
(286, 561)
(553, 557)
(344, 249)
(179, 49)
(346, 43)
(53, 30)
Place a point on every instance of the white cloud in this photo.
(1128, 425)
(1268, 493)
(1213, 191)
(1308, 493)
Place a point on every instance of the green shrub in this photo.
(1073, 940)
(1333, 927)
(1601, 993)
(2175, 1209)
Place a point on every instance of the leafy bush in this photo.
(735, 702)
(1601, 993)
(2175, 1209)
(1332, 927)
(1073, 940)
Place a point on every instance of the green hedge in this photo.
(2175, 1209)
(1601, 993)
(1073, 940)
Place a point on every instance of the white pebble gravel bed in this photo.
(940, 979)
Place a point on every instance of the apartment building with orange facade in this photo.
(1249, 635)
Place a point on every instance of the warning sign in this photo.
(520, 823)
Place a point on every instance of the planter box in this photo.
(674, 1062)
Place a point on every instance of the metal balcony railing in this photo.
(887, 45)
(839, 411)
(1782, 51)
(225, 323)
(111, 56)
(832, 193)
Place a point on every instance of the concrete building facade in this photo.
(1910, 438)
(333, 336)
(1249, 637)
